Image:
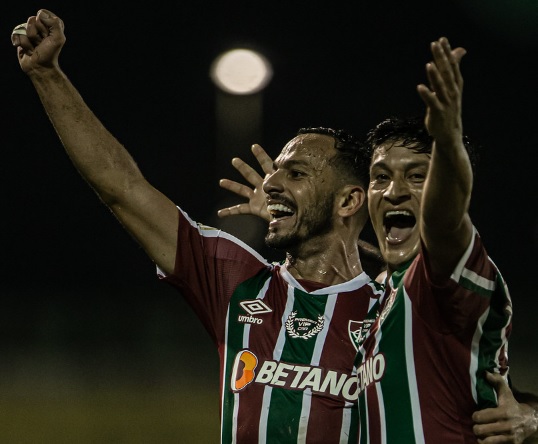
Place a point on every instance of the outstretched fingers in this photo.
(446, 75)
(235, 210)
(264, 160)
(443, 96)
(443, 72)
(249, 173)
(236, 188)
(256, 204)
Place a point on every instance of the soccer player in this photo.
(286, 333)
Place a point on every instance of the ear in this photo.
(350, 200)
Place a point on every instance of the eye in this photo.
(417, 177)
(380, 178)
(296, 174)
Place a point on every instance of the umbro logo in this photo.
(255, 306)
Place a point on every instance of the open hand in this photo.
(256, 204)
(443, 96)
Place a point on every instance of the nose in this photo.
(272, 182)
(397, 191)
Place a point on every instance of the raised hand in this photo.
(443, 97)
(39, 41)
(449, 181)
(256, 204)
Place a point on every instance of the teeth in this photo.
(398, 213)
(279, 207)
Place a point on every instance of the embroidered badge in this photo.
(303, 328)
(358, 330)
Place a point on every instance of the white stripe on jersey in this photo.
(478, 280)
(475, 349)
(277, 353)
(314, 362)
(411, 371)
(456, 274)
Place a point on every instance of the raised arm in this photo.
(445, 224)
(98, 156)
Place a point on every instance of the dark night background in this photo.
(93, 348)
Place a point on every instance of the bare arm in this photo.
(446, 227)
(98, 156)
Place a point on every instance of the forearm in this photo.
(448, 185)
(95, 152)
(446, 227)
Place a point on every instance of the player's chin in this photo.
(397, 254)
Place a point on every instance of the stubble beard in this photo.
(315, 222)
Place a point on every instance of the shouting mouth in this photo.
(398, 225)
(279, 211)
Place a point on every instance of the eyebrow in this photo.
(408, 166)
(290, 163)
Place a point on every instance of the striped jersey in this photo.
(421, 367)
(286, 352)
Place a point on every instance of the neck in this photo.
(329, 266)
(392, 268)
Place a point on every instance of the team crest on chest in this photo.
(358, 330)
(303, 328)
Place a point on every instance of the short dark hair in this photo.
(410, 132)
(353, 157)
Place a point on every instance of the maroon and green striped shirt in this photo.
(286, 351)
(421, 367)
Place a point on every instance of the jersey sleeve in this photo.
(467, 320)
(209, 266)
(475, 289)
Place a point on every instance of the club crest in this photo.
(358, 330)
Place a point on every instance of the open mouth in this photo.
(278, 211)
(399, 225)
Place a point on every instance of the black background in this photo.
(80, 301)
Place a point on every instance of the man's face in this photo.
(397, 176)
(301, 192)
